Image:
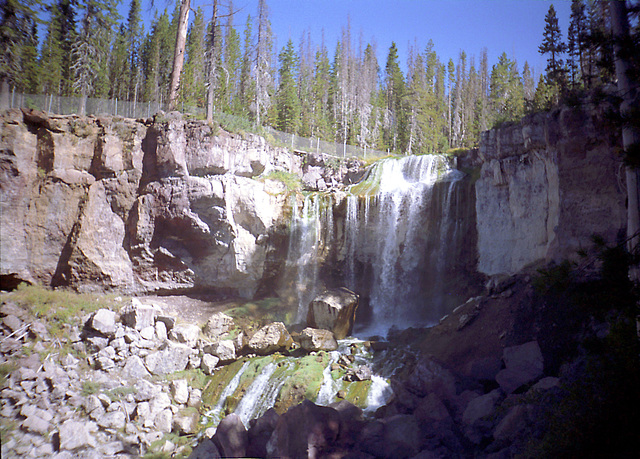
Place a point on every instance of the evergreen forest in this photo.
(85, 49)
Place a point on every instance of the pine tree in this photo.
(18, 35)
(232, 62)
(320, 123)
(287, 101)
(134, 37)
(263, 67)
(246, 84)
(507, 92)
(553, 45)
(192, 87)
(395, 92)
(119, 61)
(91, 45)
(576, 42)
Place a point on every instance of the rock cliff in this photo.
(547, 184)
(138, 205)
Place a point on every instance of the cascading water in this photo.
(311, 230)
(395, 225)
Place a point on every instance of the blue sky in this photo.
(511, 26)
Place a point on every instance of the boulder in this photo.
(270, 338)
(206, 449)
(209, 363)
(428, 376)
(314, 339)
(217, 325)
(186, 421)
(179, 390)
(231, 437)
(260, 432)
(305, 430)
(138, 316)
(396, 436)
(334, 310)
(185, 333)
(524, 365)
(173, 357)
(225, 351)
(77, 434)
(104, 321)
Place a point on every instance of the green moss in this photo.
(304, 381)
(218, 381)
(255, 314)
(195, 377)
(357, 392)
(291, 181)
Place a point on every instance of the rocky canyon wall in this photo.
(137, 206)
(547, 184)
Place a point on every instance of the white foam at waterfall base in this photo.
(379, 394)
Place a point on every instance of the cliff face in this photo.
(137, 206)
(547, 184)
(173, 205)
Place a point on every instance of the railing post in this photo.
(116, 111)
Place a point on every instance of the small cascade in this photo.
(215, 414)
(311, 233)
(379, 394)
(329, 388)
(253, 399)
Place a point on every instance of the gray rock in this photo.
(112, 420)
(208, 364)
(77, 434)
(12, 323)
(270, 338)
(161, 330)
(145, 390)
(174, 357)
(334, 310)
(186, 421)
(135, 369)
(167, 321)
(313, 339)
(206, 449)
(231, 437)
(481, 407)
(37, 421)
(185, 333)
(512, 424)
(104, 321)
(138, 316)
(217, 325)
(179, 390)
(195, 398)
(148, 333)
(225, 350)
(524, 364)
(163, 421)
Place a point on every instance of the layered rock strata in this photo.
(144, 205)
(547, 184)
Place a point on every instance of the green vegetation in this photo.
(61, 308)
(255, 314)
(90, 388)
(595, 413)
(291, 181)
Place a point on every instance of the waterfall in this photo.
(379, 394)
(395, 225)
(311, 232)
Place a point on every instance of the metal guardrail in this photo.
(128, 109)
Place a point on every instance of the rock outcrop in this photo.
(334, 310)
(149, 205)
(547, 184)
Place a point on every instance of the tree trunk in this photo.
(178, 55)
(630, 135)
